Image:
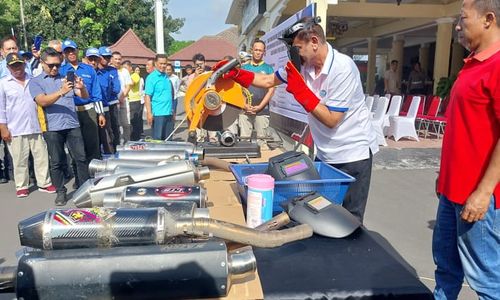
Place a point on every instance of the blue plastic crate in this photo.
(332, 185)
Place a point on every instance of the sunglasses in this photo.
(51, 66)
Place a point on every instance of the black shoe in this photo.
(75, 185)
(60, 199)
(3, 180)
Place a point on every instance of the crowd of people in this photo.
(59, 111)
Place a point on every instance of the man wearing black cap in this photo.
(90, 111)
(20, 129)
(329, 89)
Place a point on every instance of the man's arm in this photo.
(149, 113)
(477, 204)
(48, 99)
(4, 130)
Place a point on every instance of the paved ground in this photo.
(401, 207)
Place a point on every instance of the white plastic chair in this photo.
(388, 96)
(378, 120)
(394, 108)
(369, 102)
(405, 126)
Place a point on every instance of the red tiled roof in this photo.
(132, 48)
(214, 48)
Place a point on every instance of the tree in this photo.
(177, 46)
(9, 17)
(96, 22)
(141, 19)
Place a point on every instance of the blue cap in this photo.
(92, 52)
(105, 51)
(68, 44)
(26, 53)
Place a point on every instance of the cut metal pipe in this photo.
(275, 223)
(103, 227)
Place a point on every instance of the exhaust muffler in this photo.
(151, 197)
(181, 172)
(108, 227)
(186, 271)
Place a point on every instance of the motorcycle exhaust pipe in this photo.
(163, 146)
(152, 197)
(181, 172)
(186, 271)
(157, 155)
(110, 164)
(107, 227)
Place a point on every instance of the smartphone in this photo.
(37, 42)
(70, 76)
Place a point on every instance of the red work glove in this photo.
(243, 77)
(299, 89)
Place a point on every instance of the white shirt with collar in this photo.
(338, 87)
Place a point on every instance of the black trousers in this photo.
(106, 136)
(136, 121)
(357, 193)
(114, 117)
(57, 158)
(90, 133)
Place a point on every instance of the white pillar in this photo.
(160, 44)
(423, 57)
(321, 10)
(443, 43)
(372, 59)
(397, 52)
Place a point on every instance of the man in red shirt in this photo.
(466, 239)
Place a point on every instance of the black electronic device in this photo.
(326, 218)
(292, 165)
(70, 76)
(293, 53)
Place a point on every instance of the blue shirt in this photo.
(159, 88)
(109, 83)
(61, 114)
(89, 78)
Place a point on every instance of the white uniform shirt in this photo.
(338, 86)
(125, 79)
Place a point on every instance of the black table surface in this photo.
(361, 266)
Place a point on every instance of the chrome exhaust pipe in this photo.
(162, 146)
(181, 172)
(110, 164)
(107, 227)
(152, 197)
(157, 155)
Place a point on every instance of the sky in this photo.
(202, 17)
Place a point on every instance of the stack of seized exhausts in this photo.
(141, 230)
